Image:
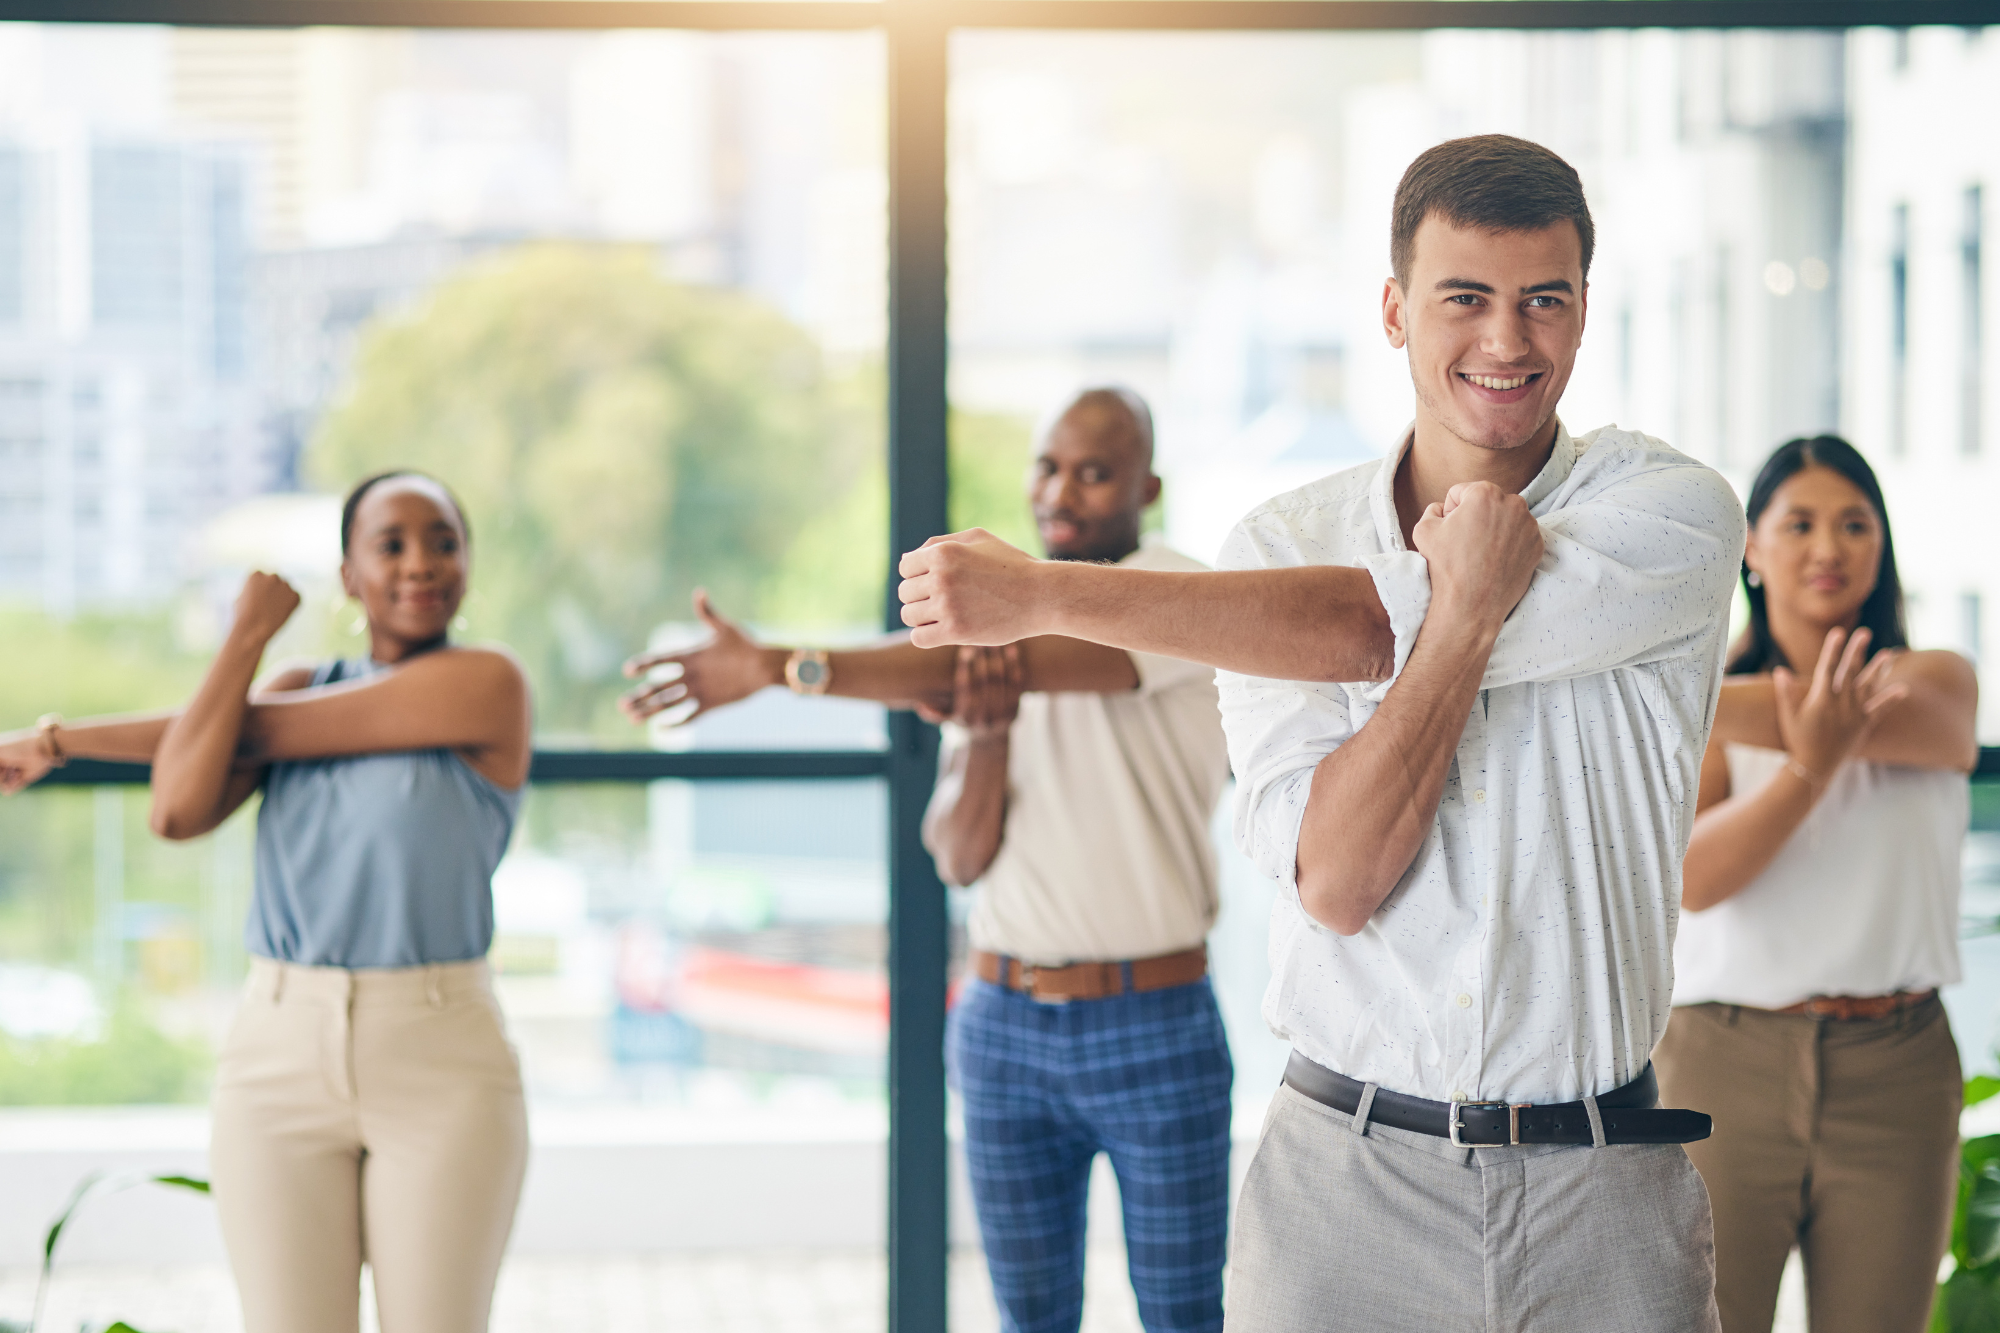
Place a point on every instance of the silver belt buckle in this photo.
(1513, 1110)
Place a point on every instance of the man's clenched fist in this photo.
(1482, 546)
(970, 588)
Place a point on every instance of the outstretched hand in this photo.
(1825, 720)
(24, 760)
(970, 588)
(729, 666)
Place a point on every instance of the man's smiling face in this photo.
(1492, 321)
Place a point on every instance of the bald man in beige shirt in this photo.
(1075, 791)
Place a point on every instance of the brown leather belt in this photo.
(1091, 981)
(1847, 1008)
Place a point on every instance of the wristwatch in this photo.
(808, 671)
(46, 726)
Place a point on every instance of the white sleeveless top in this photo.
(1862, 900)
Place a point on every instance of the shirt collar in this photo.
(1382, 497)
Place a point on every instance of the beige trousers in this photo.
(1840, 1138)
(368, 1116)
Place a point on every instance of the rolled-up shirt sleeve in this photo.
(1637, 572)
(1278, 731)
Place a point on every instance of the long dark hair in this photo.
(1881, 614)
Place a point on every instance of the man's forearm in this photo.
(968, 812)
(1312, 622)
(1374, 799)
(902, 673)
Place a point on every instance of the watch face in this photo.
(811, 672)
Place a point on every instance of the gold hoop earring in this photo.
(359, 624)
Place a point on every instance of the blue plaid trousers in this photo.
(1045, 1087)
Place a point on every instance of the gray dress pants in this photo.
(1384, 1231)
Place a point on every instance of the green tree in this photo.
(618, 439)
(834, 573)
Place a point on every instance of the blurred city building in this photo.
(1917, 354)
(1108, 227)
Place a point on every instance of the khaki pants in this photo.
(367, 1116)
(1346, 1229)
(1838, 1137)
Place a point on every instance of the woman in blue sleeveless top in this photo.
(368, 1107)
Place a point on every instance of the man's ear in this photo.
(1394, 322)
(1151, 491)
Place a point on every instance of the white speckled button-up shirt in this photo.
(1527, 953)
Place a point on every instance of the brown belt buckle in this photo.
(1027, 979)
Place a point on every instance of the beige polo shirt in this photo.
(1106, 852)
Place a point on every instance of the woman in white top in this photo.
(1821, 896)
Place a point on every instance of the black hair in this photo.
(352, 504)
(1881, 614)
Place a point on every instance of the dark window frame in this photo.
(918, 34)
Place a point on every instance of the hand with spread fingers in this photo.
(729, 666)
(1825, 720)
(971, 588)
(986, 692)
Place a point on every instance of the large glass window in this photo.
(623, 291)
(626, 292)
(1205, 217)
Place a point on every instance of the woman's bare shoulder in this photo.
(484, 666)
(1939, 668)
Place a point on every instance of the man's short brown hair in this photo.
(1493, 182)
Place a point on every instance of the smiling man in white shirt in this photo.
(1467, 689)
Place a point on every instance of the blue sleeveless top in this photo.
(377, 860)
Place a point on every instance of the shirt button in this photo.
(1465, 1001)
(1479, 796)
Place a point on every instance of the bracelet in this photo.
(45, 727)
(809, 671)
(1803, 774)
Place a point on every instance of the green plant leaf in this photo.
(1982, 1217)
(1967, 1303)
(1974, 1155)
(83, 1190)
(1980, 1087)
(96, 1183)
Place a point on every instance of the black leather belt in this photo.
(1629, 1114)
